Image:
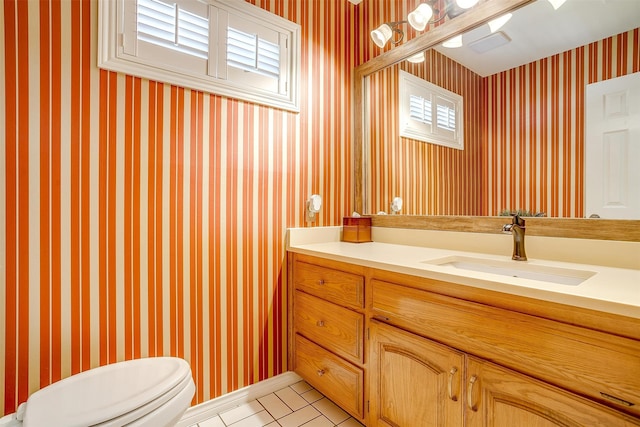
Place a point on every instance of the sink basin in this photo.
(562, 276)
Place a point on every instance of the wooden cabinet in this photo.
(403, 351)
(417, 382)
(582, 360)
(327, 334)
(601, 366)
(498, 397)
(414, 381)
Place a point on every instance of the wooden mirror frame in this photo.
(625, 230)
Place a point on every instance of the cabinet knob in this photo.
(472, 382)
(320, 323)
(320, 372)
(321, 282)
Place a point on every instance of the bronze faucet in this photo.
(517, 228)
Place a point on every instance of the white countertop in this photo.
(611, 290)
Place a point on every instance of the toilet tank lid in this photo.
(103, 393)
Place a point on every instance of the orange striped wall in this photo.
(431, 179)
(141, 219)
(534, 152)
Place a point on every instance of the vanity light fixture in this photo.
(384, 32)
(419, 18)
(417, 58)
(312, 207)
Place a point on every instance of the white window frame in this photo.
(441, 100)
(213, 76)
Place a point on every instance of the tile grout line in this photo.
(276, 421)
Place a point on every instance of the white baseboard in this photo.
(209, 409)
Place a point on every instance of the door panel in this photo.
(498, 397)
(612, 139)
(415, 382)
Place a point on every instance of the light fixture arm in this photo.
(395, 27)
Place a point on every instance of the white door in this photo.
(612, 139)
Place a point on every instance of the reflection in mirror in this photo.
(431, 179)
(524, 132)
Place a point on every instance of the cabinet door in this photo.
(497, 397)
(414, 382)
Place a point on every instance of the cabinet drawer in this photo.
(551, 351)
(335, 328)
(334, 377)
(332, 285)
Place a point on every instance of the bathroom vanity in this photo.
(397, 341)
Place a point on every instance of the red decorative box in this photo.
(356, 229)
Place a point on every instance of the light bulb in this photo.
(420, 16)
(417, 58)
(381, 35)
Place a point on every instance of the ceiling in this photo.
(538, 31)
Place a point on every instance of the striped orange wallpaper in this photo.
(534, 152)
(141, 219)
(431, 179)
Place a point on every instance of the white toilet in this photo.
(153, 392)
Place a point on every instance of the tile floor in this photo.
(293, 406)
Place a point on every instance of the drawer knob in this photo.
(320, 323)
(320, 372)
(321, 282)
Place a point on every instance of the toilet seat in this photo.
(170, 412)
(113, 395)
(179, 395)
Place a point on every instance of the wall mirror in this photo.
(482, 180)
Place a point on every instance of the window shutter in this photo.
(429, 113)
(446, 118)
(251, 53)
(193, 33)
(420, 109)
(228, 47)
(171, 26)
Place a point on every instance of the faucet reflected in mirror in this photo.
(517, 228)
